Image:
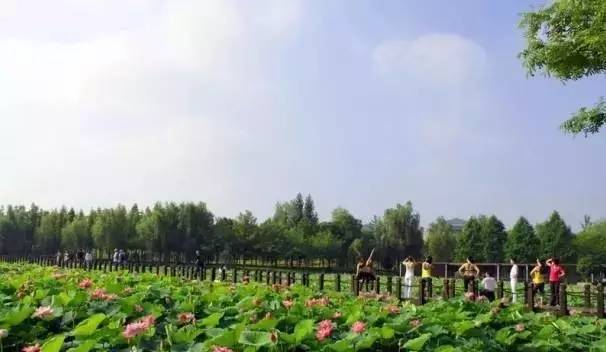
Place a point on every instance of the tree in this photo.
(346, 228)
(309, 212)
(296, 210)
(522, 242)
(567, 40)
(590, 245)
(440, 240)
(555, 237)
(493, 239)
(76, 235)
(470, 242)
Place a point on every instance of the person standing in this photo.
(409, 276)
(469, 270)
(116, 257)
(426, 269)
(556, 273)
(88, 259)
(538, 280)
(513, 279)
(199, 262)
(490, 284)
(58, 258)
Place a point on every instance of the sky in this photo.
(362, 104)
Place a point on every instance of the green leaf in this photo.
(387, 333)
(16, 316)
(53, 344)
(418, 343)
(445, 348)
(255, 338)
(366, 342)
(302, 329)
(341, 346)
(461, 327)
(265, 325)
(212, 320)
(84, 347)
(87, 327)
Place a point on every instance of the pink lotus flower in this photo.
(287, 303)
(325, 328)
(185, 318)
(313, 302)
(34, 348)
(415, 323)
(86, 283)
(470, 296)
(100, 294)
(43, 313)
(393, 309)
(337, 315)
(358, 327)
(221, 349)
(139, 327)
(519, 327)
(138, 308)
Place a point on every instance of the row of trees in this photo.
(169, 230)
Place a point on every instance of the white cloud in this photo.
(437, 59)
(128, 112)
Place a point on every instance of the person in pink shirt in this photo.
(556, 273)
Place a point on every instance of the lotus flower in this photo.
(34, 348)
(287, 303)
(519, 327)
(393, 309)
(325, 328)
(310, 303)
(86, 283)
(139, 327)
(358, 327)
(138, 308)
(221, 349)
(337, 315)
(273, 336)
(44, 312)
(185, 318)
(3, 333)
(470, 296)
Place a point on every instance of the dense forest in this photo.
(293, 233)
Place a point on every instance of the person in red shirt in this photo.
(556, 273)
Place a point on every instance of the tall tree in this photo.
(555, 237)
(296, 210)
(567, 40)
(493, 238)
(590, 245)
(402, 232)
(522, 242)
(470, 242)
(440, 240)
(309, 211)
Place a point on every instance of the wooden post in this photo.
(307, 279)
(338, 282)
(526, 295)
(267, 277)
(321, 282)
(526, 272)
(600, 301)
(354, 284)
(223, 275)
(399, 288)
(234, 277)
(165, 270)
(157, 269)
(563, 299)
(445, 289)
(529, 296)
(429, 288)
(422, 293)
(288, 280)
(389, 283)
(498, 272)
(453, 288)
(213, 274)
(587, 295)
(500, 289)
(378, 285)
(446, 270)
(274, 277)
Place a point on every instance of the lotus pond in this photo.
(50, 310)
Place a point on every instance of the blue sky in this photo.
(363, 104)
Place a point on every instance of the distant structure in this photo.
(456, 224)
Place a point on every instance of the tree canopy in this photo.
(566, 39)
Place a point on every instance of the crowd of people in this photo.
(544, 271)
(81, 256)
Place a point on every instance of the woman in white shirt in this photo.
(88, 259)
(409, 276)
(513, 279)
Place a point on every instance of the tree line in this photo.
(167, 231)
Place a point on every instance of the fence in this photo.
(591, 297)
